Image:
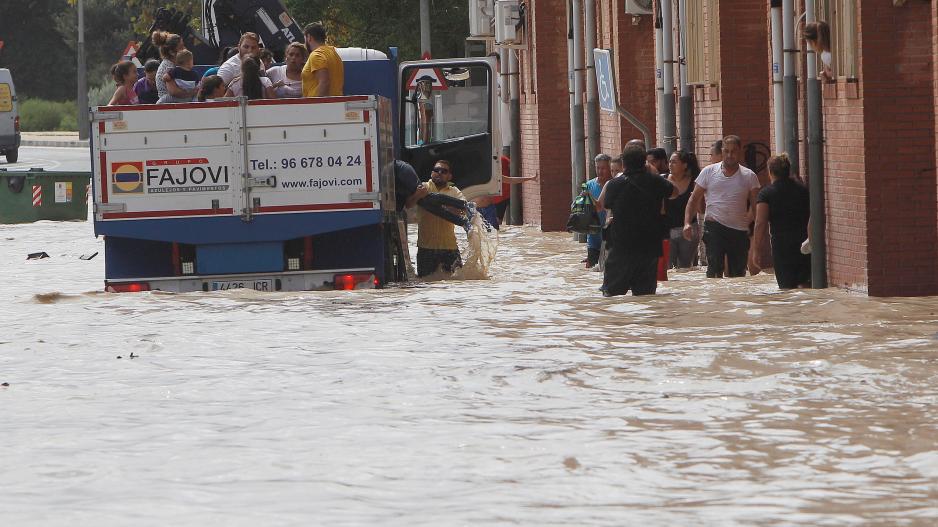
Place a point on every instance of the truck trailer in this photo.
(285, 194)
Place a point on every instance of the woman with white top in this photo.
(288, 79)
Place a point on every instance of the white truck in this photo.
(284, 194)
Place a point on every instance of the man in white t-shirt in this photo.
(249, 45)
(730, 190)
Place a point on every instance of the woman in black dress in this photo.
(683, 168)
(784, 206)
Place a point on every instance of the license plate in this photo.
(262, 284)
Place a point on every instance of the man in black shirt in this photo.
(637, 227)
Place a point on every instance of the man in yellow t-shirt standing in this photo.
(436, 237)
(324, 74)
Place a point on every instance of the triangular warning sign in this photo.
(130, 53)
(434, 75)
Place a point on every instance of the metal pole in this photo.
(574, 186)
(659, 80)
(515, 145)
(790, 83)
(424, 27)
(82, 96)
(579, 139)
(686, 101)
(781, 139)
(816, 167)
(592, 102)
(668, 126)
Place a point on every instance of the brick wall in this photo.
(545, 114)
(898, 93)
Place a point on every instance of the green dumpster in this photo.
(37, 194)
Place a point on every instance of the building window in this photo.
(703, 42)
(841, 15)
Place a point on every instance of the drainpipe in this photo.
(777, 93)
(592, 103)
(816, 167)
(515, 145)
(667, 79)
(790, 83)
(576, 124)
(659, 79)
(686, 100)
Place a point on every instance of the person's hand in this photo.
(421, 191)
(279, 84)
(688, 232)
(755, 263)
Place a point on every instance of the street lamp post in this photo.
(425, 27)
(83, 125)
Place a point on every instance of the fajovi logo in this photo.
(185, 175)
(127, 177)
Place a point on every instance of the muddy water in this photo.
(523, 399)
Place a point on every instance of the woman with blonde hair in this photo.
(169, 44)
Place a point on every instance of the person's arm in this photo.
(269, 91)
(518, 179)
(175, 90)
(690, 213)
(116, 97)
(759, 234)
(322, 77)
(418, 194)
(751, 213)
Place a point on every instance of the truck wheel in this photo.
(12, 155)
(394, 265)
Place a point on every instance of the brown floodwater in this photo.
(526, 398)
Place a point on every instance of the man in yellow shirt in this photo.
(324, 74)
(436, 237)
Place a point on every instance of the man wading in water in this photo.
(436, 236)
(637, 227)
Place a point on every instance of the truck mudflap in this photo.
(315, 280)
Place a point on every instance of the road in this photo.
(50, 158)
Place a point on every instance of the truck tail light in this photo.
(129, 287)
(16, 123)
(347, 282)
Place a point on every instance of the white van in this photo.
(9, 118)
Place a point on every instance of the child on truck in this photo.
(125, 75)
(181, 82)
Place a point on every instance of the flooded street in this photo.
(524, 399)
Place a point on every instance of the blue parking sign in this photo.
(605, 82)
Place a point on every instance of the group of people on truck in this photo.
(311, 69)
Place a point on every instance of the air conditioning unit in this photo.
(507, 20)
(482, 18)
(638, 7)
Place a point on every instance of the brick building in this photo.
(880, 114)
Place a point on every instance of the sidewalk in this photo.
(62, 139)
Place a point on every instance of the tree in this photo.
(380, 24)
(107, 32)
(35, 52)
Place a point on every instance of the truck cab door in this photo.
(449, 110)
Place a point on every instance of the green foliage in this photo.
(101, 95)
(34, 51)
(39, 115)
(380, 24)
